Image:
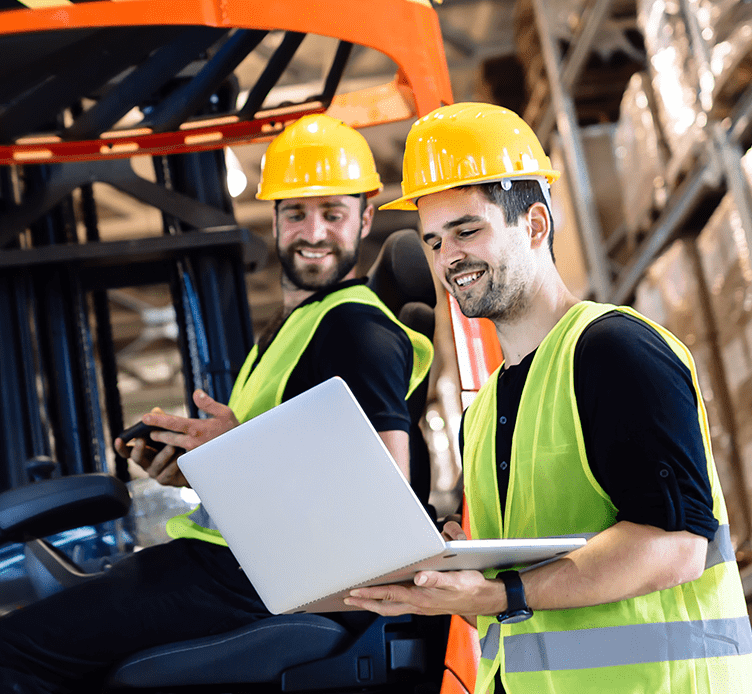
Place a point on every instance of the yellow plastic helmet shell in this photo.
(465, 144)
(317, 155)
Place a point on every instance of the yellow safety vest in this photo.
(259, 389)
(691, 639)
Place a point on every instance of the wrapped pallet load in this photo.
(673, 294)
(673, 73)
(726, 29)
(641, 156)
(724, 255)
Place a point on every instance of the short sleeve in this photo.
(638, 408)
(373, 355)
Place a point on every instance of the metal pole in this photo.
(682, 203)
(574, 154)
(575, 59)
(730, 156)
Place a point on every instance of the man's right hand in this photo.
(159, 465)
(180, 432)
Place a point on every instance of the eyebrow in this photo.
(466, 219)
(284, 207)
(454, 223)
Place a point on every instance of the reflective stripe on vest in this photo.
(627, 646)
(258, 389)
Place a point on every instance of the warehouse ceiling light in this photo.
(237, 181)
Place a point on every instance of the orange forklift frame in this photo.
(405, 30)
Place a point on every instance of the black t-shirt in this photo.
(365, 347)
(638, 409)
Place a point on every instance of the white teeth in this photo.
(467, 279)
(313, 254)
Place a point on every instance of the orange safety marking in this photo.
(477, 347)
(463, 648)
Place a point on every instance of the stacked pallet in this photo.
(674, 293)
(642, 156)
(726, 29)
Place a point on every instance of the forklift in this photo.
(86, 88)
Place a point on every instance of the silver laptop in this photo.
(312, 505)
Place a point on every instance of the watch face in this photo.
(514, 616)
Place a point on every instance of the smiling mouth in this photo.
(467, 279)
(313, 254)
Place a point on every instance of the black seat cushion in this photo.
(259, 652)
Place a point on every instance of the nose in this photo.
(315, 229)
(449, 253)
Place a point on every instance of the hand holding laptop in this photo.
(466, 593)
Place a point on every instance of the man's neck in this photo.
(293, 295)
(547, 307)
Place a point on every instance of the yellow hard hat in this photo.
(317, 155)
(468, 143)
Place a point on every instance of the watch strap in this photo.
(517, 607)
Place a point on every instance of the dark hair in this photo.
(517, 201)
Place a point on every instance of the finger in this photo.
(171, 476)
(208, 404)
(385, 609)
(120, 448)
(391, 593)
(433, 579)
(140, 454)
(453, 531)
(171, 438)
(161, 462)
(170, 422)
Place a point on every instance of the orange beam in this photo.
(477, 347)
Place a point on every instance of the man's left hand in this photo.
(433, 593)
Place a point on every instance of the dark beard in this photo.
(492, 303)
(311, 278)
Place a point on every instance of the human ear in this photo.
(539, 224)
(367, 220)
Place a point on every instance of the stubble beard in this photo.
(312, 277)
(501, 300)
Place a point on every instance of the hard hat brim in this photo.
(317, 191)
(407, 202)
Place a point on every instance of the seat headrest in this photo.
(401, 273)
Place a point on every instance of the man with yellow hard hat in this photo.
(593, 426)
(319, 173)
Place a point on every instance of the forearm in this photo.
(398, 443)
(624, 561)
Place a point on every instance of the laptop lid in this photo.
(309, 499)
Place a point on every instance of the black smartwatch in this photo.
(517, 608)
